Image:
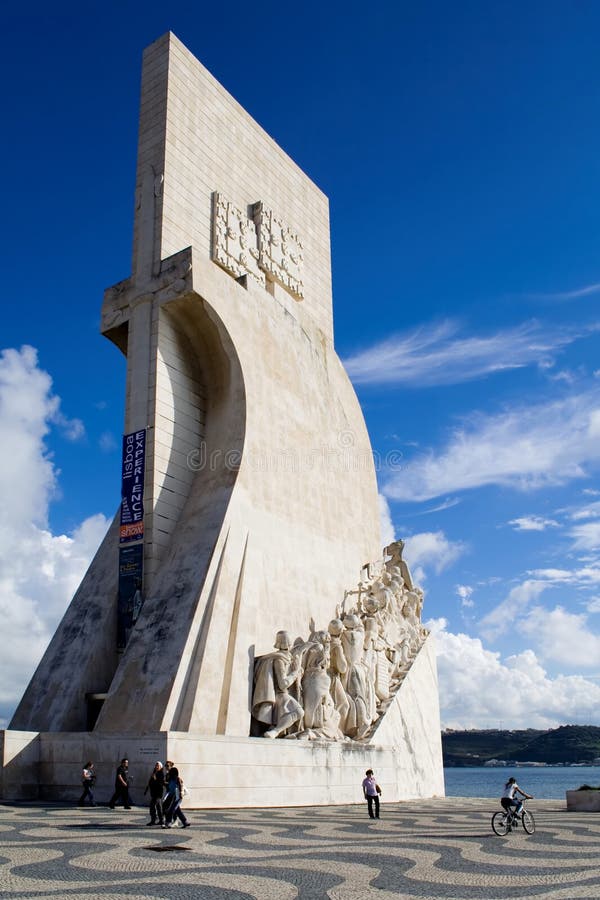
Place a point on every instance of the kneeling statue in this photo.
(274, 674)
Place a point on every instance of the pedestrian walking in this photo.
(156, 786)
(173, 797)
(371, 791)
(88, 778)
(122, 781)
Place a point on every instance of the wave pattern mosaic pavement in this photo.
(434, 849)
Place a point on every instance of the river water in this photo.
(543, 782)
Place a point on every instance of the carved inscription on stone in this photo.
(261, 247)
(280, 251)
(235, 243)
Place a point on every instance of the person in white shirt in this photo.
(88, 777)
(508, 799)
(371, 791)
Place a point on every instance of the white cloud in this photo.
(500, 619)
(478, 689)
(388, 533)
(464, 591)
(563, 637)
(431, 549)
(526, 448)
(39, 574)
(557, 635)
(39, 571)
(26, 408)
(533, 523)
(437, 355)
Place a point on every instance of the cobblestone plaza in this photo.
(419, 849)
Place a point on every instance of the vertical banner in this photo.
(132, 486)
(131, 564)
(131, 534)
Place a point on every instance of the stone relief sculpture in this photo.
(280, 250)
(235, 240)
(275, 673)
(336, 684)
(262, 246)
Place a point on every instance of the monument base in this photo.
(222, 771)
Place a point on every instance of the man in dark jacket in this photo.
(156, 786)
(121, 786)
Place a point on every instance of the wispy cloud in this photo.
(107, 442)
(437, 354)
(561, 296)
(533, 523)
(447, 504)
(500, 619)
(581, 577)
(589, 511)
(525, 448)
(553, 631)
(72, 429)
(586, 536)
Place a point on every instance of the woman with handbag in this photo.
(173, 797)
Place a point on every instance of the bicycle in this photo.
(503, 821)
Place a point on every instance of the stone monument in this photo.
(249, 505)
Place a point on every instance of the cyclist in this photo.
(508, 799)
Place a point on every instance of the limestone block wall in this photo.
(210, 143)
(19, 765)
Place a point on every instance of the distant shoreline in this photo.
(521, 765)
(569, 746)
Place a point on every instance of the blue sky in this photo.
(459, 145)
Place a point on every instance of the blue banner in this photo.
(131, 565)
(132, 486)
